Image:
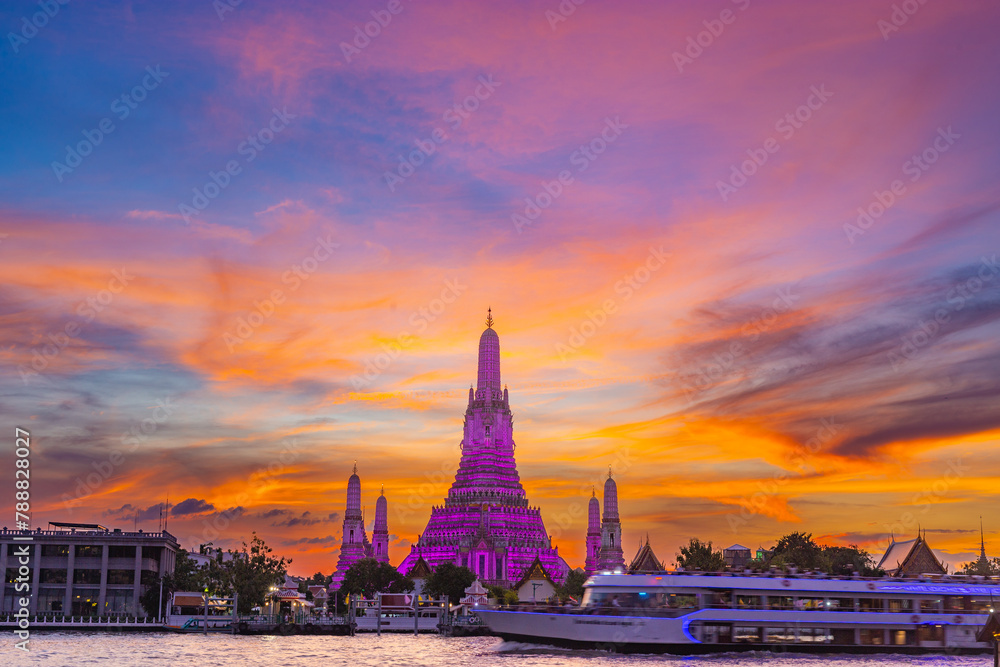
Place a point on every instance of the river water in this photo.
(364, 650)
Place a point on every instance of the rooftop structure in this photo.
(486, 522)
(85, 569)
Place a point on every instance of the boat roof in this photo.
(799, 583)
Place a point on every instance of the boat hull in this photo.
(636, 634)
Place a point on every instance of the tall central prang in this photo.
(486, 523)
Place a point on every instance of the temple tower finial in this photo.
(609, 471)
(982, 539)
(355, 467)
(489, 318)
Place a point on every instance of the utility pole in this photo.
(206, 612)
(378, 616)
(416, 615)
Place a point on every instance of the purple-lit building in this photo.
(486, 523)
(354, 543)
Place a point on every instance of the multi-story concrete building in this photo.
(84, 569)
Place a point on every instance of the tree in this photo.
(251, 573)
(986, 568)
(799, 550)
(368, 576)
(504, 596)
(451, 580)
(848, 560)
(187, 576)
(572, 587)
(698, 555)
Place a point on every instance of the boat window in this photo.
(843, 636)
(980, 604)
(900, 605)
(717, 634)
(746, 635)
(675, 601)
(871, 637)
(811, 604)
(871, 604)
(719, 600)
(930, 606)
(841, 604)
(781, 602)
(815, 635)
(779, 635)
(748, 602)
(902, 637)
(930, 633)
(956, 603)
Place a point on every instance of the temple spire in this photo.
(982, 539)
(489, 318)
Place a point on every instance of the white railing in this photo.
(83, 620)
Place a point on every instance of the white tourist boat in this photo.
(703, 613)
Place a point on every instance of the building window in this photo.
(88, 551)
(352, 537)
(378, 548)
(84, 601)
(121, 552)
(121, 577)
(482, 565)
(118, 601)
(50, 600)
(86, 576)
(55, 575)
(54, 550)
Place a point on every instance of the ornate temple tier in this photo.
(486, 523)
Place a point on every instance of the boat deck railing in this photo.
(806, 574)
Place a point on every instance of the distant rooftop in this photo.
(81, 526)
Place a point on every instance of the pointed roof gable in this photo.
(536, 571)
(910, 558)
(420, 569)
(645, 561)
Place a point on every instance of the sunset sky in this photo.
(224, 280)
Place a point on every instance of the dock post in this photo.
(236, 618)
(206, 611)
(416, 615)
(378, 616)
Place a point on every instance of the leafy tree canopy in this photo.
(572, 587)
(368, 577)
(698, 555)
(449, 579)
